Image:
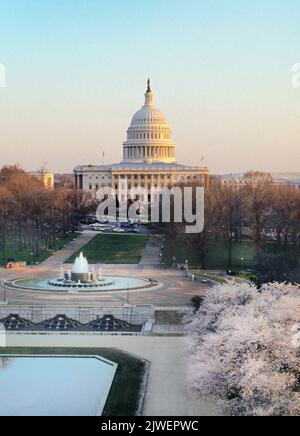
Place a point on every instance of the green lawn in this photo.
(217, 257)
(114, 249)
(13, 251)
(125, 393)
(179, 247)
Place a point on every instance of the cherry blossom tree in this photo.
(241, 349)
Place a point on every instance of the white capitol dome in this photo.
(149, 136)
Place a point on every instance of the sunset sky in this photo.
(220, 70)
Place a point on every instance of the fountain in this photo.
(81, 276)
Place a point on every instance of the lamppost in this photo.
(242, 263)
(187, 268)
(31, 258)
(128, 295)
(4, 290)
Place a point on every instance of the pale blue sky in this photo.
(221, 73)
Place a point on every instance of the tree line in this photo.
(254, 209)
(34, 216)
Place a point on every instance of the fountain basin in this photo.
(81, 279)
(109, 283)
(100, 284)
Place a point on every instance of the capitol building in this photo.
(149, 158)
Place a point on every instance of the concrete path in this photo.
(167, 393)
(151, 254)
(62, 255)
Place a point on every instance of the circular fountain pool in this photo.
(81, 278)
(110, 284)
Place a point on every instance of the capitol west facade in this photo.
(149, 158)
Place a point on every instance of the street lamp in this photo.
(187, 267)
(242, 263)
(4, 292)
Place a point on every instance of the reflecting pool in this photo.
(54, 386)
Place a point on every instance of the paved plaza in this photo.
(173, 288)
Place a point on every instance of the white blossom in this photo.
(240, 349)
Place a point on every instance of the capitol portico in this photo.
(149, 158)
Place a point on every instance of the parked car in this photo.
(118, 230)
(94, 225)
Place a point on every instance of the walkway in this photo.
(151, 254)
(62, 255)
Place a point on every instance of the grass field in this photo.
(24, 255)
(217, 256)
(243, 254)
(179, 248)
(125, 393)
(114, 249)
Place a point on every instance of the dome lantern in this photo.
(149, 136)
(149, 95)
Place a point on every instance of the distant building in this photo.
(286, 179)
(149, 158)
(238, 180)
(45, 176)
(64, 181)
(235, 180)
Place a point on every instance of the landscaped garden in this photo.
(127, 389)
(114, 249)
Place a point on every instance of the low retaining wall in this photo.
(37, 314)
